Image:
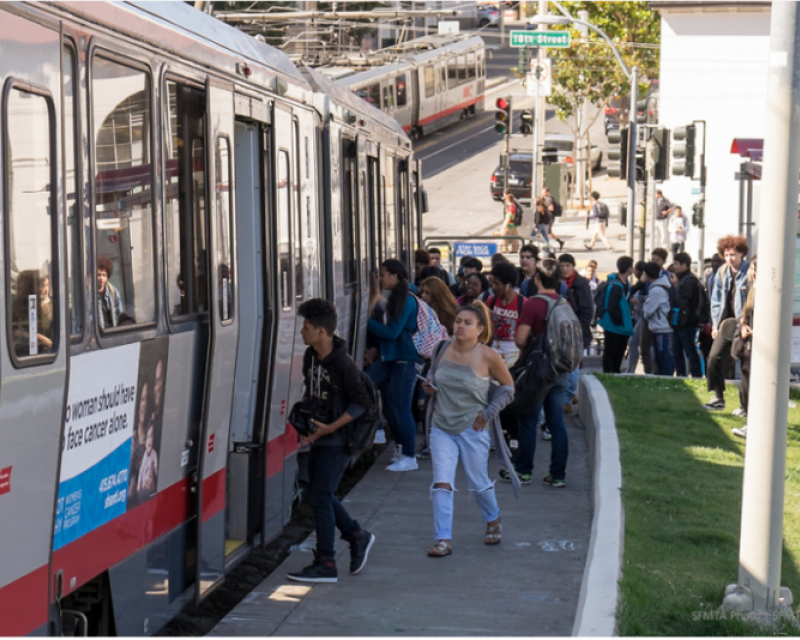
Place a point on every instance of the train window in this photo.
(430, 84)
(371, 94)
(224, 229)
(284, 234)
(462, 70)
(31, 209)
(185, 196)
(452, 72)
(123, 195)
(471, 74)
(349, 213)
(442, 77)
(481, 66)
(74, 217)
(297, 236)
(401, 90)
(389, 209)
(402, 211)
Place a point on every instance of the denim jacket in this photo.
(114, 302)
(722, 281)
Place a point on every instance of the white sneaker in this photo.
(739, 413)
(398, 452)
(380, 437)
(404, 463)
(742, 433)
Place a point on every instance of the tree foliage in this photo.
(588, 71)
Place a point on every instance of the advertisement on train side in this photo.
(112, 436)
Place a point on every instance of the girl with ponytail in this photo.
(395, 374)
(463, 404)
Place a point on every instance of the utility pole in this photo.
(759, 590)
(632, 142)
(538, 129)
(502, 25)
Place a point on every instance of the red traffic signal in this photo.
(501, 103)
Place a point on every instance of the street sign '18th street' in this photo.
(554, 39)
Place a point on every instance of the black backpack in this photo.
(533, 373)
(518, 211)
(703, 311)
(602, 211)
(600, 300)
(359, 434)
(557, 210)
(678, 314)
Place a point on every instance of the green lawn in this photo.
(682, 494)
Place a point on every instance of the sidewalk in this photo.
(528, 585)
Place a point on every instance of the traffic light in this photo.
(641, 111)
(549, 154)
(683, 151)
(618, 153)
(526, 122)
(697, 213)
(502, 115)
(659, 154)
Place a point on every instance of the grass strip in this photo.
(682, 473)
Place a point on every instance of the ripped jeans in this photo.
(473, 448)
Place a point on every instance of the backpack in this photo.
(492, 301)
(359, 434)
(564, 334)
(604, 317)
(678, 314)
(703, 311)
(430, 331)
(518, 211)
(602, 211)
(557, 210)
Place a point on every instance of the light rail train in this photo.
(172, 190)
(425, 84)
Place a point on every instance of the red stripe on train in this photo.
(450, 111)
(23, 603)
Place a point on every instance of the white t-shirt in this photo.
(678, 228)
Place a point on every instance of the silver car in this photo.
(488, 15)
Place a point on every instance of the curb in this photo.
(599, 596)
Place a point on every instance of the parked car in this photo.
(520, 165)
(488, 15)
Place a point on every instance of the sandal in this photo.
(493, 533)
(441, 549)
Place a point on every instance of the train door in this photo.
(348, 303)
(35, 338)
(362, 222)
(375, 240)
(441, 92)
(223, 336)
(387, 88)
(404, 216)
(404, 100)
(281, 438)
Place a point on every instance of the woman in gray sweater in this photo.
(458, 415)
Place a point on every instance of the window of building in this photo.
(30, 215)
(430, 81)
(74, 208)
(185, 201)
(224, 229)
(123, 195)
(400, 81)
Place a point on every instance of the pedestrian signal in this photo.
(526, 124)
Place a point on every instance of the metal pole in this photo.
(507, 163)
(502, 26)
(541, 54)
(749, 224)
(632, 139)
(758, 587)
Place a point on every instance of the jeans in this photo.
(473, 449)
(684, 345)
(719, 360)
(544, 231)
(554, 411)
(396, 381)
(664, 358)
(572, 384)
(614, 346)
(326, 467)
(633, 346)
(744, 384)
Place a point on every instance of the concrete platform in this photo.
(528, 585)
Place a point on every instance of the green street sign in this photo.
(553, 39)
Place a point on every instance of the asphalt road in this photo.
(458, 142)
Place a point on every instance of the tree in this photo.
(588, 72)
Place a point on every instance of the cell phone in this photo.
(430, 384)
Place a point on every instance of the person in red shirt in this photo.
(532, 324)
(505, 307)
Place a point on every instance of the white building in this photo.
(714, 63)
